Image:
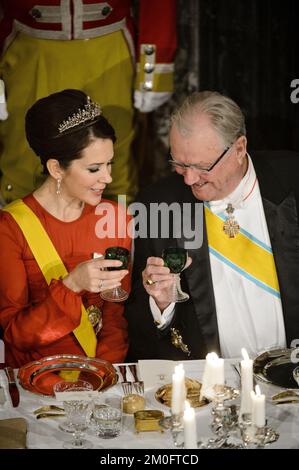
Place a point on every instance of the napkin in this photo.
(13, 433)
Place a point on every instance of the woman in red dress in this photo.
(75, 144)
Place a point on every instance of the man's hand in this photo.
(158, 281)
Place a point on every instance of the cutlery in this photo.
(12, 386)
(49, 415)
(126, 386)
(2, 396)
(47, 408)
(137, 384)
(286, 402)
(236, 369)
(285, 394)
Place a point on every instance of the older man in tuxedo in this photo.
(243, 281)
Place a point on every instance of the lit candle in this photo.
(213, 373)
(246, 383)
(258, 407)
(178, 395)
(190, 434)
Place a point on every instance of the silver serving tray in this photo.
(276, 367)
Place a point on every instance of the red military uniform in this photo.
(86, 35)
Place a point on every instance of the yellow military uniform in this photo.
(88, 45)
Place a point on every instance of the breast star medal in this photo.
(230, 227)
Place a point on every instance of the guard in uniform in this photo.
(56, 44)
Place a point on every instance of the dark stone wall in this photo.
(247, 49)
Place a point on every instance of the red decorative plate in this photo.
(40, 376)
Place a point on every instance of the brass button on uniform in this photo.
(149, 49)
(36, 13)
(149, 68)
(9, 187)
(106, 10)
(148, 86)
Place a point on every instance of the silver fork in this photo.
(138, 384)
(126, 386)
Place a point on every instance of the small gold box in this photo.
(148, 420)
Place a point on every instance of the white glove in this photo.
(147, 101)
(3, 108)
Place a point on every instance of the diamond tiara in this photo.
(90, 111)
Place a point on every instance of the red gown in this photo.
(37, 320)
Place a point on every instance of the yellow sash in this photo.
(50, 264)
(250, 259)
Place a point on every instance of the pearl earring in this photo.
(58, 184)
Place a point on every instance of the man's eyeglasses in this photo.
(183, 167)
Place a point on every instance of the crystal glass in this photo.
(77, 412)
(108, 421)
(175, 259)
(121, 254)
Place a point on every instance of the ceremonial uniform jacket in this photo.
(155, 43)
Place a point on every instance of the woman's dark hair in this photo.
(42, 123)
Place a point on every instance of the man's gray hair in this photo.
(225, 115)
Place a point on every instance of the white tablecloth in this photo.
(45, 433)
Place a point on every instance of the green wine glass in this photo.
(175, 259)
(117, 294)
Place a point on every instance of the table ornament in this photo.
(148, 420)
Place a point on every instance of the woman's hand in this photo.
(92, 276)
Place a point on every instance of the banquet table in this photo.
(45, 434)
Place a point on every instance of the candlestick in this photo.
(190, 433)
(258, 407)
(246, 383)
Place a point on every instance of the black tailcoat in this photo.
(278, 177)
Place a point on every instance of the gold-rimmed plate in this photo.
(276, 367)
(163, 394)
(40, 376)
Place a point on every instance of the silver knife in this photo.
(12, 386)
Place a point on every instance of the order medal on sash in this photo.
(230, 227)
(95, 316)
